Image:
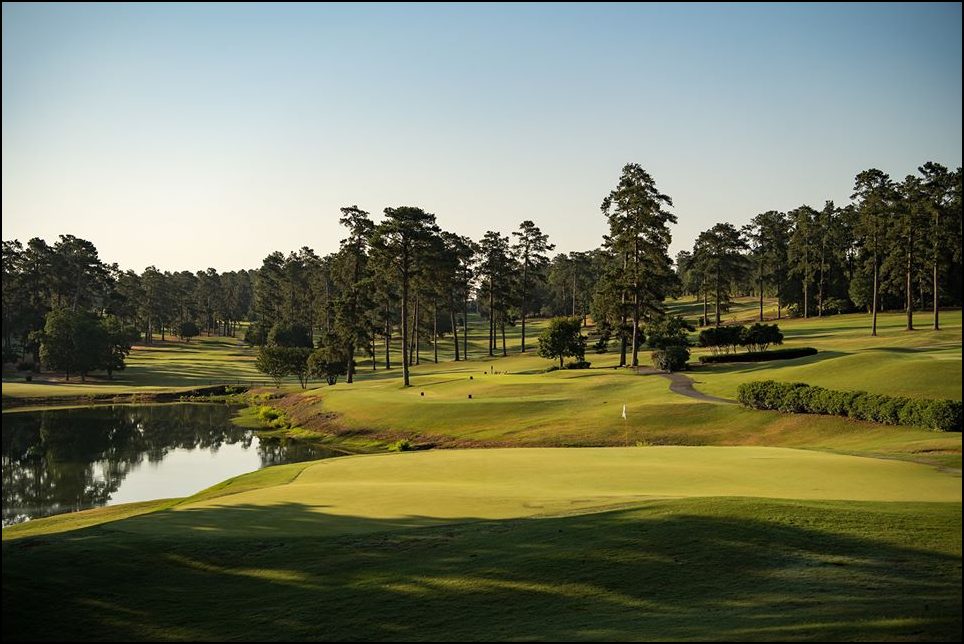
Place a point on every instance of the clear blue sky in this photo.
(191, 136)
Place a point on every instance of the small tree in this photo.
(273, 362)
(297, 359)
(760, 336)
(328, 362)
(670, 331)
(73, 341)
(187, 330)
(118, 345)
(562, 339)
(57, 341)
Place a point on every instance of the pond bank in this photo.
(12, 402)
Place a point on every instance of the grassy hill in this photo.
(428, 546)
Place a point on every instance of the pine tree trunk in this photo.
(504, 354)
(706, 320)
(525, 277)
(873, 329)
(435, 331)
(636, 329)
(717, 297)
(761, 291)
(405, 319)
(573, 291)
(623, 340)
(465, 329)
(910, 281)
(388, 341)
(937, 310)
(414, 350)
(455, 328)
(351, 363)
(491, 321)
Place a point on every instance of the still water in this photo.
(63, 460)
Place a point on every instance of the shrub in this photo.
(402, 445)
(25, 365)
(942, 415)
(187, 330)
(578, 364)
(672, 331)
(760, 336)
(554, 367)
(760, 356)
(672, 358)
(268, 414)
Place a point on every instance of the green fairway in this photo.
(426, 546)
(416, 489)
(427, 488)
(921, 363)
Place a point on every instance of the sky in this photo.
(209, 135)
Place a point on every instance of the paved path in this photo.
(683, 385)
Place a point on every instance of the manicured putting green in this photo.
(362, 493)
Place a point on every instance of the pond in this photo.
(64, 460)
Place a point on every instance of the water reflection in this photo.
(65, 460)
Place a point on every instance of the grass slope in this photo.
(920, 363)
(414, 489)
(683, 569)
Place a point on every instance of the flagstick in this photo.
(626, 424)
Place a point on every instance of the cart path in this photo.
(683, 385)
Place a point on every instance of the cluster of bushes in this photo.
(672, 358)
(727, 338)
(800, 398)
(669, 339)
(761, 356)
(273, 417)
(401, 445)
(572, 364)
(289, 353)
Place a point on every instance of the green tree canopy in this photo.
(562, 339)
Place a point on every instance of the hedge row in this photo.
(761, 356)
(800, 398)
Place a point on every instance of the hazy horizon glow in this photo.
(189, 136)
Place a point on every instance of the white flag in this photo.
(624, 411)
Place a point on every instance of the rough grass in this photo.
(677, 569)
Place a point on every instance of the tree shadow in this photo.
(678, 571)
(749, 367)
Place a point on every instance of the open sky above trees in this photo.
(153, 131)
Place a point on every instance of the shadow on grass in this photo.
(749, 367)
(695, 569)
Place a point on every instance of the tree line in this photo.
(404, 278)
(896, 245)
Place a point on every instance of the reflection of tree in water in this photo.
(70, 459)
